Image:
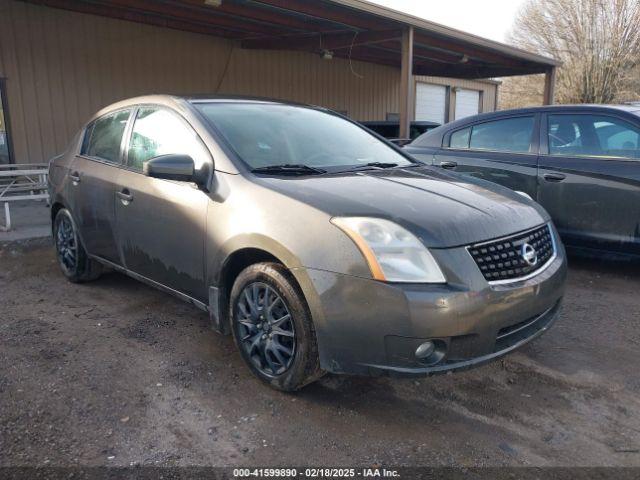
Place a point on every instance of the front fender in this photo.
(245, 241)
(242, 215)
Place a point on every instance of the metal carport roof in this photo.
(346, 28)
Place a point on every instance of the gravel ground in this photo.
(116, 373)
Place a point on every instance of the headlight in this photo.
(393, 253)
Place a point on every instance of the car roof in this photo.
(208, 98)
(423, 123)
(179, 101)
(549, 108)
(433, 138)
(580, 106)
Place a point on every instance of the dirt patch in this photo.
(116, 373)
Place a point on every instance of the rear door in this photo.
(162, 223)
(92, 176)
(502, 151)
(589, 179)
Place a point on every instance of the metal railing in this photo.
(22, 182)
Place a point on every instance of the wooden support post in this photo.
(549, 86)
(406, 82)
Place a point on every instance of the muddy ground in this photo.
(116, 373)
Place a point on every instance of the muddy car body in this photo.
(376, 266)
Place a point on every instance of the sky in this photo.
(487, 18)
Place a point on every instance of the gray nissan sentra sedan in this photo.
(318, 245)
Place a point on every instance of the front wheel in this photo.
(72, 257)
(272, 327)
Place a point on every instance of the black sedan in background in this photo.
(580, 162)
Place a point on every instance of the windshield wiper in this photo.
(381, 165)
(289, 169)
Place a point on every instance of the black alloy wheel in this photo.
(72, 257)
(272, 327)
(66, 245)
(267, 332)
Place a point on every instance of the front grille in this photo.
(504, 260)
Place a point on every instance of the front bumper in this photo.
(367, 327)
(461, 354)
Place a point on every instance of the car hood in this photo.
(442, 209)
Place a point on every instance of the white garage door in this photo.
(431, 101)
(467, 103)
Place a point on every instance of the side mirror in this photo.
(171, 167)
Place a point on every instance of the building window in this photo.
(5, 141)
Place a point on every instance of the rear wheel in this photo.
(72, 257)
(272, 327)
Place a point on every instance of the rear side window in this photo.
(460, 139)
(508, 135)
(593, 136)
(103, 138)
(86, 139)
(157, 131)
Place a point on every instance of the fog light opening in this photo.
(425, 350)
(431, 351)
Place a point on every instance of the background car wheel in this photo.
(272, 327)
(72, 257)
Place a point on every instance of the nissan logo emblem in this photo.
(529, 254)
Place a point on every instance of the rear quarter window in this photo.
(432, 138)
(460, 138)
(106, 136)
(86, 139)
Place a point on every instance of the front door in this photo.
(92, 177)
(589, 180)
(162, 223)
(502, 151)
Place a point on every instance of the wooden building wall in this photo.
(60, 67)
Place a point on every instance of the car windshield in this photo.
(265, 135)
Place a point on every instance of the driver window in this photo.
(157, 131)
(593, 136)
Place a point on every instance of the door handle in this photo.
(125, 196)
(448, 165)
(74, 177)
(554, 177)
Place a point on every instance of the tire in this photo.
(260, 335)
(71, 255)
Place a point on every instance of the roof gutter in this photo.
(448, 32)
